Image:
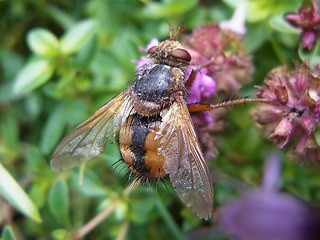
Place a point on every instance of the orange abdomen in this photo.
(138, 147)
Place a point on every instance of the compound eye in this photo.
(152, 50)
(181, 54)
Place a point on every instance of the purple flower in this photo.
(293, 110)
(266, 214)
(202, 88)
(307, 19)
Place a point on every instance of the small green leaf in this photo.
(313, 56)
(53, 129)
(43, 43)
(10, 131)
(33, 75)
(317, 135)
(279, 23)
(60, 234)
(78, 36)
(8, 234)
(39, 189)
(59, 201)
(35, 160)
(258, 34)
(16, 196)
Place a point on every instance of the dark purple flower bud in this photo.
(308, 148)
(308, 39)
(282, 132)
(308, 20)
(265, 114)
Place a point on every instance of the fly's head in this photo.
(170, 51)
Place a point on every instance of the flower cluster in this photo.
(307, 19)
(231, 65)
(293, 112)
(221, 54)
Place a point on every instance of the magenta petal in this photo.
(308, 123)
(202, 87)
(265, 216)
(141, 62)
(308, 39)
(293, 18)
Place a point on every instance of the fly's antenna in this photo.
(180, 29)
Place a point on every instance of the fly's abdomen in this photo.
(138, 147)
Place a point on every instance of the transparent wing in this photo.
(184, 160)
(89, 138)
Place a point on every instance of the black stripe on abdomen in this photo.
(139, 133)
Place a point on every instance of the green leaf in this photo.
(59, 201)
(78, 36)
(87, 52)
(8, 234)
(39, 189)
(60, 234)
(258, 34)
(59, 15)
(313, 56)
(16, 196)
(167, 8)
(53, 129)
(264, 9)
(91, 185)
(279, 23)
(33, 75)
(10, 131)
(35, 160)
(43, 43)
(317, 135)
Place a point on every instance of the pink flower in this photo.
(231, 64)
(307, 19)
(202, 88)
(293, 110)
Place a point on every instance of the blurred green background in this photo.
(61, 60)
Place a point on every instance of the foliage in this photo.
(61, 60)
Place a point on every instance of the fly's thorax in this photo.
(156, 86)
(139, 148)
